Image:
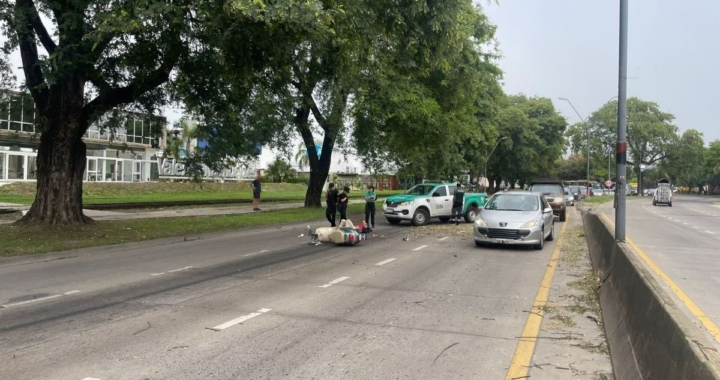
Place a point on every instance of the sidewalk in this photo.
(200, 211)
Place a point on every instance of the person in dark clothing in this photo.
(331, 199)
(370, 198)
(458, 198)
(257, 189)
(343, 203)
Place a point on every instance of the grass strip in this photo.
(18, 241)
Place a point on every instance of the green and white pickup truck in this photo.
(430, 200)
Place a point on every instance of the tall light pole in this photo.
(621, 150)
(488, 157)
(587, 131)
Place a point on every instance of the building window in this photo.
(16, 167)
(17, 113)
(32, 167)
(2, 166)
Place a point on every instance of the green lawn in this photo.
(105, 193)
(17, 241)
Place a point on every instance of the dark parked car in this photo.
(554, 192)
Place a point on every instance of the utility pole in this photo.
(488, 159)
(621, 149)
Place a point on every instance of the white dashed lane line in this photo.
(420, 247)
(239, 320)
(256, 253)
(696, 227)
(171, 271)
(91, 378)
(385, 262)
(333, 282)
(710, 232)
(39, 299)
(445, 238)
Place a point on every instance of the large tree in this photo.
(685, 160)
(651, 133)
(83, 58)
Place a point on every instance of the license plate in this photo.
(390, 210)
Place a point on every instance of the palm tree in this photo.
(302, 159)
(279, 171)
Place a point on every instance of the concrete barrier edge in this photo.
(650, 338)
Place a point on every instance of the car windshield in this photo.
(420, 190)
(547, 189)
(504, 202)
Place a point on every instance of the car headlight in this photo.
(531, 224)
(407, 203)
(480, 223)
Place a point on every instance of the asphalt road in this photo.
(684, 242)
(263, 304)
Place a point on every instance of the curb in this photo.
(650, 338)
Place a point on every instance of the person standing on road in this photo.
(331, 199)
(370, 198)
(458, 198)
(343, 203)
(257, 189)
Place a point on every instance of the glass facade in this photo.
(17, 113)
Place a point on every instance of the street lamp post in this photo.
(587, 132)
(488, 157)
(621, 149)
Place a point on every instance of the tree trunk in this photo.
(61, 160)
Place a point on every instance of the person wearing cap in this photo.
(343, 203)
(331, 199)
(370, 198)
(458, 199)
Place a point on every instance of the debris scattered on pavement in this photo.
(301, 235)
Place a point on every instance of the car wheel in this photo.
(420, 217)
(539, 246)
(654, 203)
(471, 214)
(551, 237)
(563, 216)
(670, 204)
(444, 219)
(394, 221)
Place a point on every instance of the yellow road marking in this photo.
(520, 365)
(692, 306)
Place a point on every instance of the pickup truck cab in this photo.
(430, 200)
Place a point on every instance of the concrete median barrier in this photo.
(650, 337)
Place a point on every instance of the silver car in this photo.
(569, 198)
(515, 218)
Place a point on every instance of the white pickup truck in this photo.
(430, 200)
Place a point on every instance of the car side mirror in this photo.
(547, 211)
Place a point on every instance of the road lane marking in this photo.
(333, 282)
(445, 238)
(386, 261)
(696, 227)
(520, 365)
(39, 299)
(420, 247)
(256, 253)
(687, 224)
(689, 303)
(711, 233)
(91, 378)
(239, 320)
(171, 271)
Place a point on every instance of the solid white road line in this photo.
(40, 299)
(239, 320)
(386, 261)
(445, 238)
(420, 247)
(333, 282)
(256, 253)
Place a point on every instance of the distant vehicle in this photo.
(516, 218)
(430, 200)
(569, 197)
(554, 193)
(663, 194)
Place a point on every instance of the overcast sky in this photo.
(569, 48)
